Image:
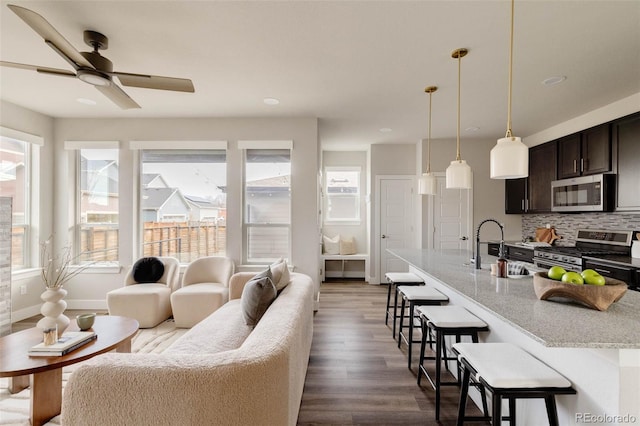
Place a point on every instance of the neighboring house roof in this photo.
(271, 184)
(156, 198)
(200, 201)
(149, 178)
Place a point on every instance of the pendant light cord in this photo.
(429, 137)
(458, 133)
(509, 134)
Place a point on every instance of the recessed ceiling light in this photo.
(86, 101)
(472, 129)
(271, 101)
(386, 130)
(551, 81)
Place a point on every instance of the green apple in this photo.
(588, 273)
(556, 272)
(595, 280)
(572, 278)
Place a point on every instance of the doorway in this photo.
(449, 217)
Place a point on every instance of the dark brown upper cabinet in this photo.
(533, 194)
(626, 136)
(542, 170)
(585, 153)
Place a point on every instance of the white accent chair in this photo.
(148, 303)
(205, 288)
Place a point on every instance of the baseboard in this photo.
(28, 312)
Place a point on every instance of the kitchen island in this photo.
(598, 351)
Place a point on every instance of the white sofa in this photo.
(221, 372)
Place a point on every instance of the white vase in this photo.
(52, 310)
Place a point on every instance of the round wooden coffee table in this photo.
(46, 372)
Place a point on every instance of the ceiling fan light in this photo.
(427, 184)
(509, 159)
(458, 175)
(94, 78)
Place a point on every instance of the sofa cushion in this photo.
(280, 271)
(223, 330)
(148, 270)
(256, 297)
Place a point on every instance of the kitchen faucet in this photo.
(477, 259)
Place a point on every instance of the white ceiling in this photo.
(356, 66)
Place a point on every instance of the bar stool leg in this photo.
(552, 411)
(423, 344)
(439, 348)
(395, 311)
(401, 323)
(464, 392)
(512, 411)
(496, 411)
(387, 313)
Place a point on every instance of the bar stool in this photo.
(395, 279)
(444, 321)
(508, 371)
(416, 296)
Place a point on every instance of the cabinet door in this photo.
(542, 170)
(626, 133)
(515, 195)
(569, 156)
(596, 150)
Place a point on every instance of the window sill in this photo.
(106, 269)
(25, 273)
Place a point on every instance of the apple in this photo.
(595, 280)
(588, 273)
(572, 278)
(556, 272)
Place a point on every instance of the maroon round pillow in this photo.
(148, 270)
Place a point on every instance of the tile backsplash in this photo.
(566, 225)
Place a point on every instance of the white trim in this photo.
(73, 145)
(21, 136)
(178, 145)
(265, 144)
(24, 313)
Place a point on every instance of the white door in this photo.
(450, 218)
(397, 221)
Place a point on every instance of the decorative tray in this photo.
(593, 296)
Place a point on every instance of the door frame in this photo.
(431, 205)
(376, 221)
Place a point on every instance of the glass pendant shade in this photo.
(458, 175)
(427, 184)
(509, 159)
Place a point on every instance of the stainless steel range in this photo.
(589, 242)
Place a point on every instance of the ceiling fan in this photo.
(92, 67)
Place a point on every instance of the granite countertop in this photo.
(554, 324)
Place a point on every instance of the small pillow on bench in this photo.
(347, 246)
(148, 270)
(257, 296)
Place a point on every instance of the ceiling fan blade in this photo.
(155, 82)
(51, 36)
(44, 70)
(118, 96)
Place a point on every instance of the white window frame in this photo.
(32, 196)
(262, 145)
(357, 219)
(78, 146)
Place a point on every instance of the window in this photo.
(14, 182)
(183, 202)
(98, 202)
(267, 205)
(342, 197)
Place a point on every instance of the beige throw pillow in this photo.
(331, 245)
(348, 245)
(280, 272)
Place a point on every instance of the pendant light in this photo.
(427, 184)
(458, 172)
(510, 157)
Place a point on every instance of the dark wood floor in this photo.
(357, 375)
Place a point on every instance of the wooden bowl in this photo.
(593, 296)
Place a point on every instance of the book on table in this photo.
(66, 343)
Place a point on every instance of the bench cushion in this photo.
(403, 277)
(507, 366)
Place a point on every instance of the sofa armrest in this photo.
(237, 283)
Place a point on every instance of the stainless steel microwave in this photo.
(593, 193)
